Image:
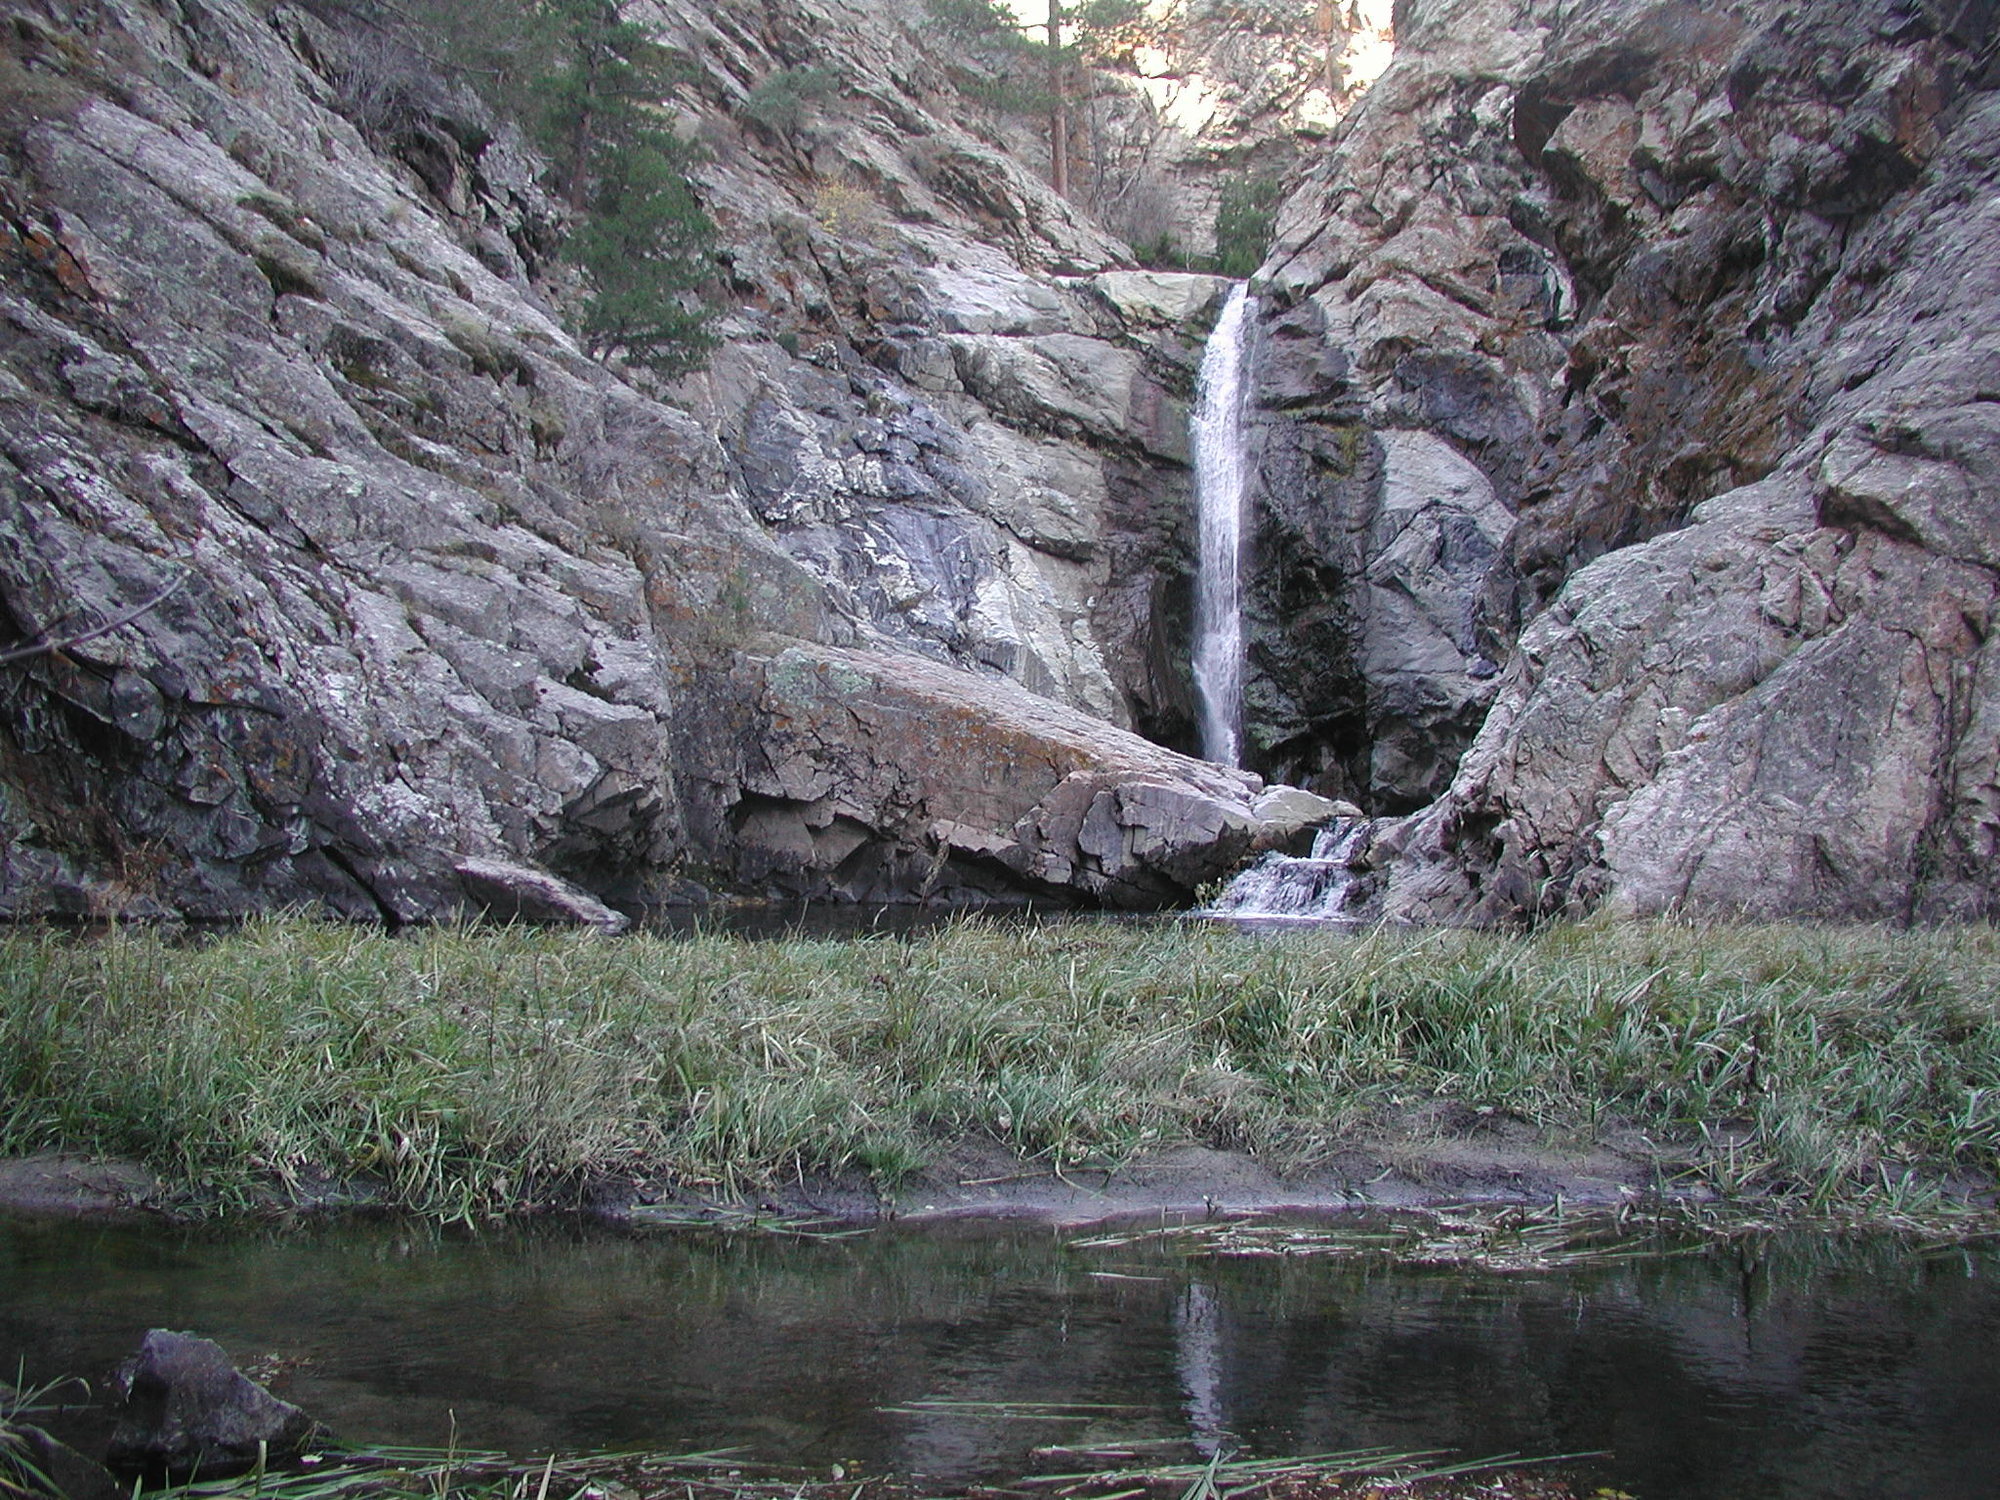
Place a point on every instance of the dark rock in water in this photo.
(33, 1462)
(189, 1411)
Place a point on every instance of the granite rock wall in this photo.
(1692, 307)
(412, 606)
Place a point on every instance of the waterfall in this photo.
(1322, 887)
(1218, 438)
(1327, 885)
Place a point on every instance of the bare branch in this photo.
(24, 653)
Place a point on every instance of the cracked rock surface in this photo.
(1625, 530)
(1706, 297)
(421, 609)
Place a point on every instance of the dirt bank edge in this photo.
(980, 1179)
(66, 1184)
(983, 1180)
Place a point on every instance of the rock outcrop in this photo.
(859, 776)
(379, 596)
(1625, 528)
(1704, 297)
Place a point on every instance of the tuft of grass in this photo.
(429, 1474)
(466, 1071)
(24, 1449)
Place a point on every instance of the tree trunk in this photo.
(1330, 29)
(579, 162)
(1058, 105)
(583, 140)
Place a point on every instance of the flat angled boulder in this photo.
(513, 892)
(937, 768)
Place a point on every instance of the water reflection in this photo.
(1806, 1369)
(1198, 1359)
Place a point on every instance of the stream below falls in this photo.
(1802, 1366)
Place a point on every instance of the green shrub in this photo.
(647, 246)
(782, 102)
(1244, 218)
(1163, 253)
(587, 85)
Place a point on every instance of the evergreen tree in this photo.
(782, 102)
(1040, 65)
(644, 238)
(647, 245)
(601, 94)
(1245, 216)
(587, 85)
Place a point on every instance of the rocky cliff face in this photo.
(950, 397)
(1626, 520)
(411, 604)
(1664, 336)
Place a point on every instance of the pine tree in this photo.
(647, 245)
(587, 84)
(608, 73)
(1245, 215)
(1055, 51)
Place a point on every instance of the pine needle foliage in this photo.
(644, 238)
(589, 87)
(782, 102)
(647, 245)
(1245, 215)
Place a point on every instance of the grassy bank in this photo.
(423, 1474)
(470, 1071)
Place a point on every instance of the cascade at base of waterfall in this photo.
(1321, 887)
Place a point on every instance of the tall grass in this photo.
(725, 1474)
(468, 1070)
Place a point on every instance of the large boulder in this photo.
(1161, 299)
(188, 1410)
(514, 893)
(874, 776)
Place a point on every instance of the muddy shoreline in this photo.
(978, 1180)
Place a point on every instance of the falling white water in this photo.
(1319, 888)
(1218, 438)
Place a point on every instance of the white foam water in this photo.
(1218, 440)
(1285, 888)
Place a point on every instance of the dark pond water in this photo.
(1813, 1368)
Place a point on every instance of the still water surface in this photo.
(1807, 1368)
